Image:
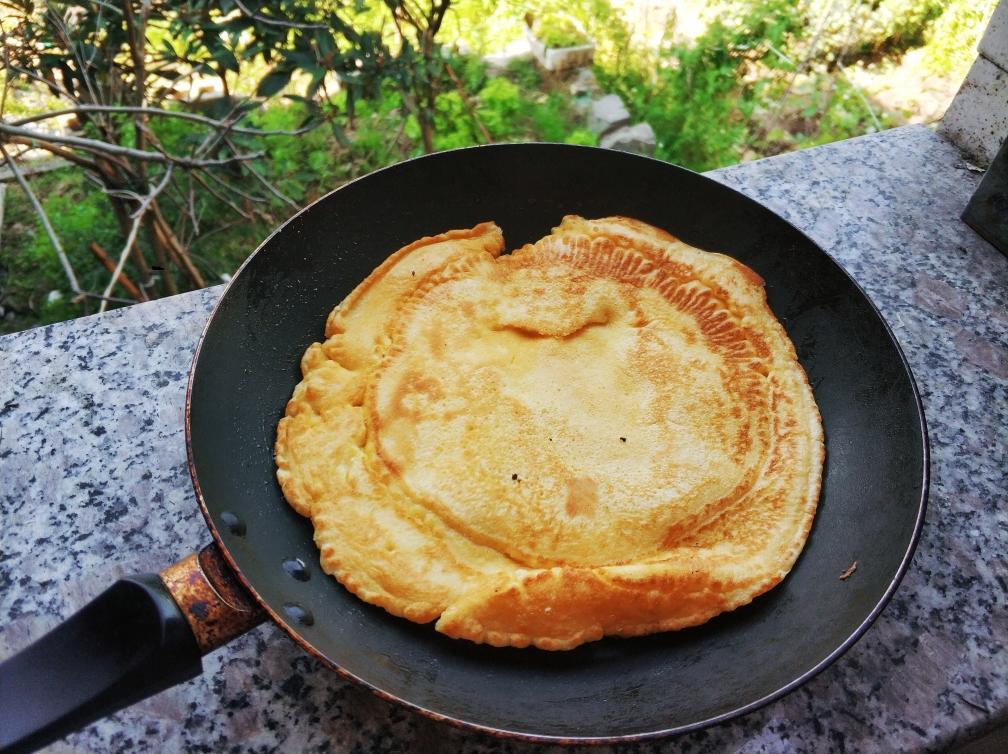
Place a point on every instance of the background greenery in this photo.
(741, 80)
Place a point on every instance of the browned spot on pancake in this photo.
(437, 341)
(415, 394)
(582, 496)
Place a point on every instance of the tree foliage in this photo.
(122, 68)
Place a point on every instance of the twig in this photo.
(274, 21)
(395, 140)
(191, 207)
(238, 210)
(105, 148)
(214, 138)
(109, 6)
(41, 79)
(124, 280)
(465, 101)
(6, 63)
(271, 188)
(814, 42)
(238, 191)
(843, 71)
(83, 109)
(266, 184)
(61, 28)
(63, 153)
(112, 299)
(161, 228)
(860, 94)
(64, 261)
(134, 229)
(136, 36)
(218, 229)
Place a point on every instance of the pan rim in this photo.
(526, 736)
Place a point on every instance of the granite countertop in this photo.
(94, 485)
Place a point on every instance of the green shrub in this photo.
(500, 103)
(869, 29)
(952, 39)
(552, 117)
(583, 137)
(29, 267)
(557, 31)
(525, 74)
(691, 97)
(80, 214)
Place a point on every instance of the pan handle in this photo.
(141, 636)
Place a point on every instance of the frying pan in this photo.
(149, 632)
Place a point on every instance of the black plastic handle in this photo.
(130, 642)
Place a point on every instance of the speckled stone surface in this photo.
(93, 484)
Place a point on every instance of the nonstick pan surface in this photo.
(874, 485)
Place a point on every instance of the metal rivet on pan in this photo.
(234, 524)
(299, 614)
(296, 569)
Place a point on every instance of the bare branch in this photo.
(6, 63)
(62, 153)
(193, 215)
(275, 21)
(216, 137)
(44, 218)
(83, 109)
(460, 88)
(61, 28)
(104, 299)
(210, 190)
(130, 287)
(42, 80)
(203, 237)
(137, 217)
(395, 139)
(108, 6)
(266, 184)
(105, 148)
(235, 189)
(271, 188)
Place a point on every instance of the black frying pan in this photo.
(871, 509)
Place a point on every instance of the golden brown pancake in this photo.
(606, 432)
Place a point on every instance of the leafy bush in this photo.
(29, 268)
(952, 39)
(557, 31)
(525, 74)
(694, 97)
(872, 28)
(582, 136)
(487, 26)
(500, 103)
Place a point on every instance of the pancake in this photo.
(606, 432)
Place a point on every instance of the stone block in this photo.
(639, 138)
(994, 43)
(607, 114)
(583, 83)
(977, 119)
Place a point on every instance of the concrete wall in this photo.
(977, 119)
